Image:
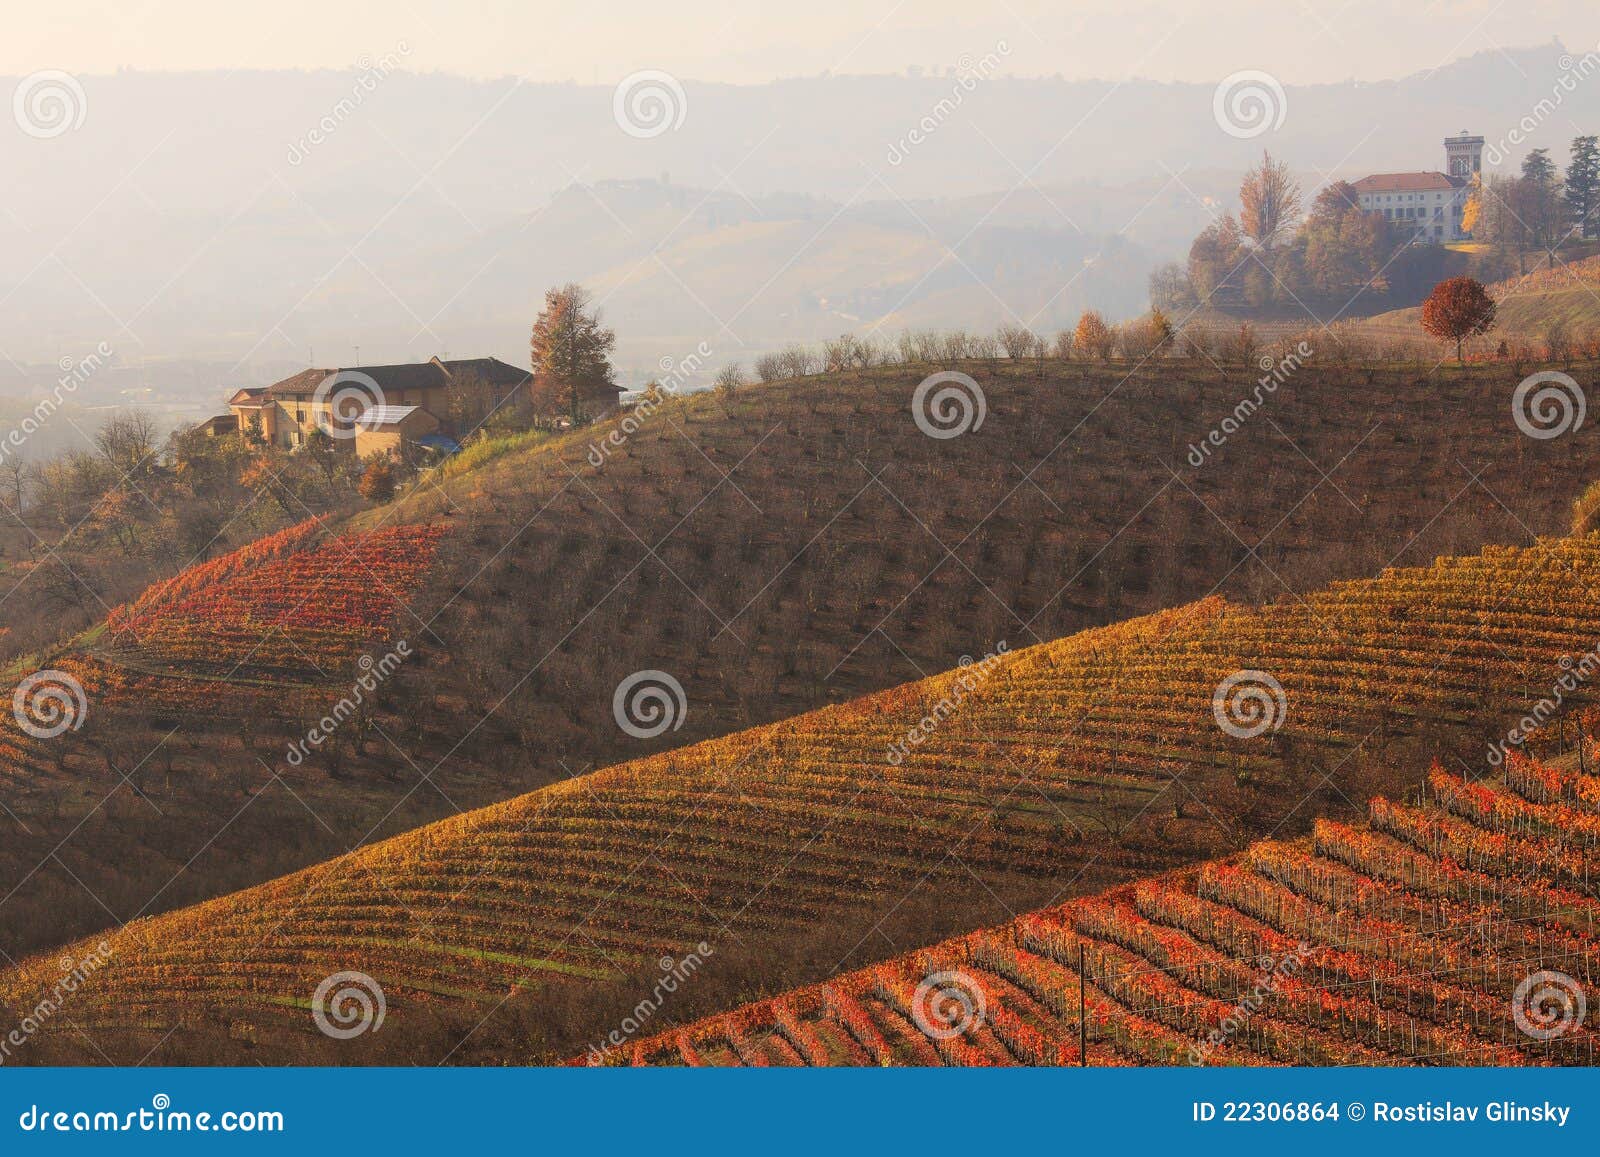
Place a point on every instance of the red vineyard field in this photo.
(261, 632)
(293, 603)
(1416, 939)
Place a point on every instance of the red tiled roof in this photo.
(1407, 182)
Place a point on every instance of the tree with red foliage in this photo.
(1458, 309)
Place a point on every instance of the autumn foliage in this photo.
(1458, 309)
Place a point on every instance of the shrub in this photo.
(377, 480)
(1093, 337)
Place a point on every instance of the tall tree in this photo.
(1539, 204)
(572, 353)
(1583, 186)
(1345, 247)
(1269, 197)
(1458, 309)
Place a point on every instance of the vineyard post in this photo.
(1083, 1025)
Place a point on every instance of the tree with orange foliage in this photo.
(1269, 198)
(1093, 336)
(377, 482)
(1458, 309)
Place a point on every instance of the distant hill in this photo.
(189, 216)
(779, 855)
(1409, 939)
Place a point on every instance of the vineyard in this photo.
(259, 633)
(294, 605)
(777, 550)
(1082, 763)
(1459, 931)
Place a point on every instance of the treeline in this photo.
(1339, 258)
(1153, 337)
(91, 527)
(1541, 208)
(1335, 258)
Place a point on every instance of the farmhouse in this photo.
(1427, 205)
(377, 409)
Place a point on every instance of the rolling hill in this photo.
(1459, 930)
(795, 849)
(1568, 294)
(791, 546)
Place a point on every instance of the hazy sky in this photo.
(1300, 40)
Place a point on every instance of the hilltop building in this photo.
(380, 408)
(1427, 205)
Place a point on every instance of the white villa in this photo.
(1428, 204)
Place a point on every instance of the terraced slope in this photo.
(259, 633)
(1036, 772)
(1461, 930)
(775, 551)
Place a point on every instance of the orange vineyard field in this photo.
(1418, 938)
(1081, 763)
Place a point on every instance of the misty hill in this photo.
(192, 216)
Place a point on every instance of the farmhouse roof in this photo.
(401, 376)
(375, 417)
(1408, 183)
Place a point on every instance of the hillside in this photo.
(1568, 294)
(792, 546)
(1416, 938)
(795, 849)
